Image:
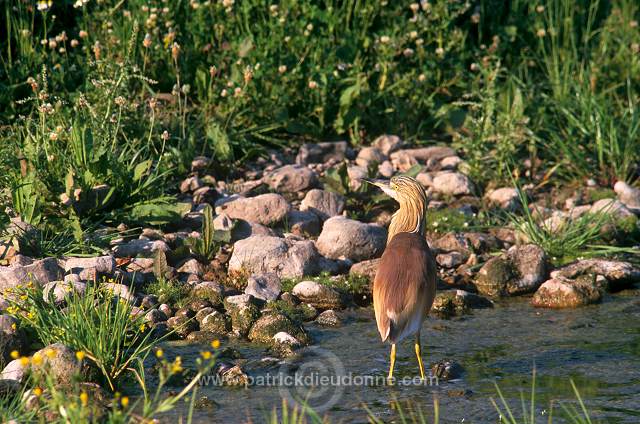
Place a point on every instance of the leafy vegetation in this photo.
(114, 340)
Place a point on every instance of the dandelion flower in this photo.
(51, 353)
(206, 354)
(124, 401)
(84, 398)
(37, 391)
(24, 361)
(36, 359)
(215, 344)
(159, 353)
(80, 355)
(176, 367)
(15, 354)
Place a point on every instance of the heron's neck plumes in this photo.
(410, 218)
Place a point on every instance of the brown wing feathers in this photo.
(404, 285)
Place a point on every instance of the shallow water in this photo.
(597, 346)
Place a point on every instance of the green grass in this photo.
(572, 238)
(551, 86)
(96, 323)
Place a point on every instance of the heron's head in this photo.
(403, 189)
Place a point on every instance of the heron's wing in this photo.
(404, 287)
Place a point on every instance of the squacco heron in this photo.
(405, 284)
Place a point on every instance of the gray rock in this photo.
(216, 323)
(318, 295)
(323, 203)
(356, 174)
(286, 257)
(366, 269)
(63, 367)
(466, 243)
(120, 290)
(166, 309)
(458, 302)
(205, 195)
(38, 272)
(322, 152)
(139, 247)
(520, 271)
(450, 163)
(344, 237)
(628, 195)
(619, 274)
(303, 223)
(155, 316)
(265, 286)
(245, 229)
(369, 155)
(268, 325)
(59, 290)
(450, 260)
(403, 160)
(14, 371)
(612, 207)
(561, 292)
(243, 313)
(266, 209)
(90, 269)
(190, 184)
(291, 179)
(385, 169)
(182, 325)
(192, 266)
(505, 198)
(209, 290)
(451, 183)
(329, 318)
(200, 163)
(204, 312)
(387, 144)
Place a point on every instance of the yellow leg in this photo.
(419, 355)
(393, 360)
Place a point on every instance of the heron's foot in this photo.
(419, 356)
(392, 362)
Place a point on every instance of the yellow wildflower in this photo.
(143, 327)
(37, 391)
(159, 353)
(206, 354)
(50, 353)
(15, 354)
(176, 367)
(215, 344)
(24, 361)
(124, 401)
(84, 398)
(80, 355)
(36, 359)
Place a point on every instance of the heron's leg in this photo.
(393, 360)
(419, 355)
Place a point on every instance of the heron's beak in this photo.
(384, 186)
